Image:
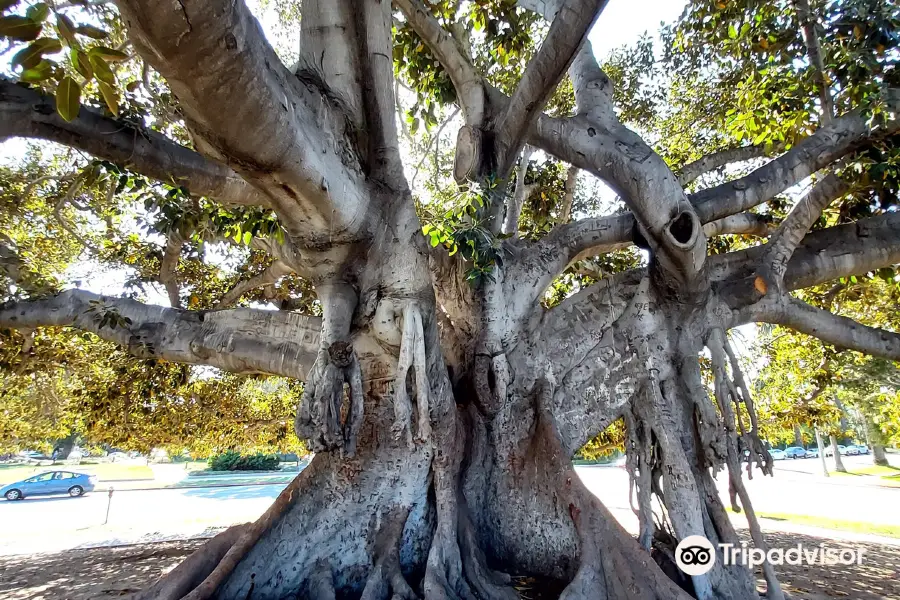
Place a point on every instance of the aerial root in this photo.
(641, 460)
(203, 572)
(486, 582)
(321, 582)
(179, 582)
(719, 351)
(386, 580)
(412, 356)
(319, 415)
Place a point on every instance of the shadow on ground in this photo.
(116, 572)
(878, 578)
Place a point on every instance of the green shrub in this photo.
(234, 461)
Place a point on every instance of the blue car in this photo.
(795, 452)
(51, 482)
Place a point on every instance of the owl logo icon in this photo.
(695, 555)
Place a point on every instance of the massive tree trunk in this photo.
(445, 414)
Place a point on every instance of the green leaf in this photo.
(82, 64)
(39, 12)
(108, 53)
(92, 32)
(248, 237)
(110, 96)
(101, 70)
(732, 31)
(66, 29)
(39, 72)
(31, 55)
(68, 98)
(19, 28)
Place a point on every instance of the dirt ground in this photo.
(116, 572)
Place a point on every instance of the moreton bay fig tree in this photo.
(448, 378)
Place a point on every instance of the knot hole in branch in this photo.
(684, 229)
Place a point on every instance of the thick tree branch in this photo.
(743, 223)
(270, 275)
(240, 340)
(621, 158)
(568, 32)
(328, 45)
(377, 78)
(830, 328)
(281, 131)
(691, 171)
(514, 206)
(535, 266)
(824, 255)
(784, 241)
(565, 211)
(816, 60)
(466, 80)
(827, 145)
(27, 113)
(168, 267)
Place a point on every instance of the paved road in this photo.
(797, 488)
(52, 524)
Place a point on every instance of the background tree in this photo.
(451, 376)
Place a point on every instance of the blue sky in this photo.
(623, 21)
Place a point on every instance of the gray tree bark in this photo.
(445, 414)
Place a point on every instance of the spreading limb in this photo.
(568, 31)
(691, 171)
(466, 80)
(825, 146)
(240, 340)
(27, 113)
(789, 234)
(830, 328)
(514, 207)
(270, 275)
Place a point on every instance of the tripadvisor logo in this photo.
(696, 555)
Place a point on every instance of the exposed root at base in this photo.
(386, 580)
(204, 571)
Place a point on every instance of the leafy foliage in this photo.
(235, 461)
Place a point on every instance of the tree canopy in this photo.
(458, 246)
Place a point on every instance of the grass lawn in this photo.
(838, 524)
(106, 471)
(890, 476)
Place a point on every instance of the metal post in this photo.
(108, 505)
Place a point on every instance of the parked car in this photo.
(795, 452)
(812, 453)
(51, 482)
(852, 450)
(829, 451)
(34, 455)
(862, 449)
(777, 454)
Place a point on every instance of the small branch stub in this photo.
(468, 154)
